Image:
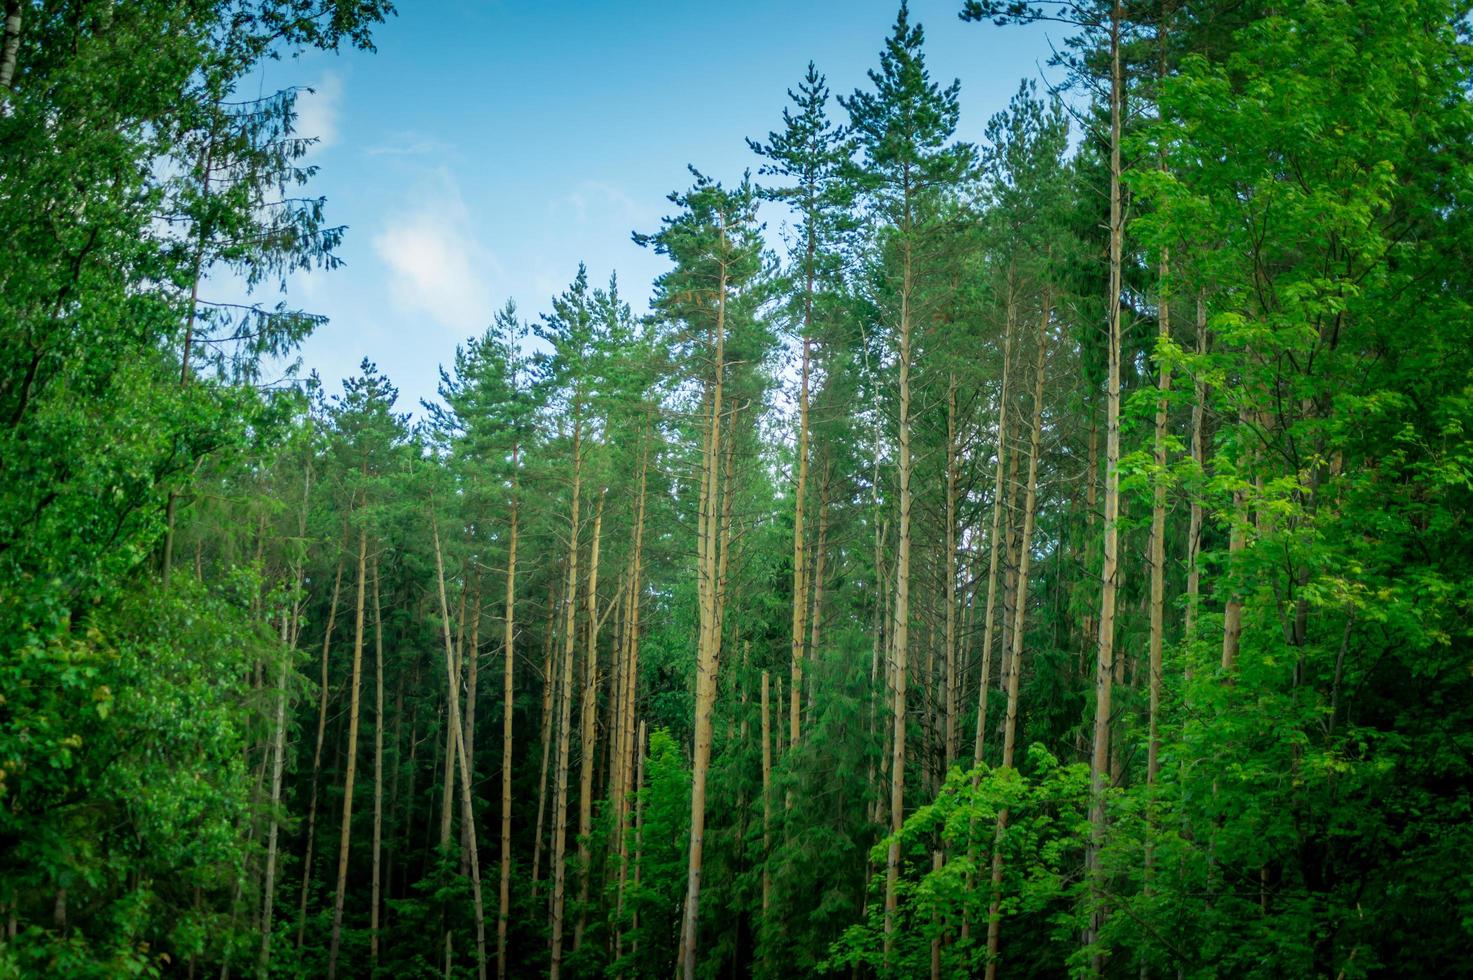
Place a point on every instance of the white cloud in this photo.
(317, 110)
(437, 266)
(409, 143)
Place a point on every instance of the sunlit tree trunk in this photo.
(378, 765)
(901, 636)
(1020, 605)
(626, 708)
(332, 614)
(994, 544)
(508, 675)
(549, 707)
(1198, 449)
(800, 562)
(589, 726)
(709, 645)
(345, 832)
(1105, 662)
(462, 757)
(565, 718)
(949, 566)
(290, 622)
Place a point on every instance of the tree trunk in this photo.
(709, 645)
(641, 749)
(1105, 662)
(589, 725)
(290, 624)
(1020, 604)
(800, 565)
(458, 749)
(902, 601)
(949, 569)
(820, 550)
(549, 706)
(1158, 566)
(378, 764)
(345, 831)
(1194, 521)
(565, 720)
(766, 804)
(508, 645)
(626, 707)
(993, 550)
(332, 614)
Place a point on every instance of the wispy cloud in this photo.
(317, 110)
(437, 265)
(600, 201)
(410, 144)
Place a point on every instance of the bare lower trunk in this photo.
(902, 609)
(949, 570)
(458, 749)
(709, 646)
(1194, 521)
(589, 736)
(565, 721)
(549, 707)
(994, 549)
(1105, 662)
(378, 766)
(332, 615)
(1015, 650)
(345, 831)
(508, 643)
(766, 802)
(625, 763)
(1158, 568)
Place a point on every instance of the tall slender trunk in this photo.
(549, 707)
(378, 764)
(800, 564)
(332, 615)
(902, 595)
(1105, 662)
(589, 735)
(994, 549)
(1158, 567)
(278, 760)
(709, 646)
(1198, 448)
(626, 707)
(820, 551)
(1020, 604)
(471, 655)
(345, 831)
(565, 718)
(508, 665)
(766, 805)
(290, 623)
(458, 749)
(949, 569)
(447, 796)
(641, 750)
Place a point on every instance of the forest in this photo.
(1039, 552)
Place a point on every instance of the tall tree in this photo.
(904, 128)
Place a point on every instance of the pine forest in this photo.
(1042, 551)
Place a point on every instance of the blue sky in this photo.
(488, 147)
